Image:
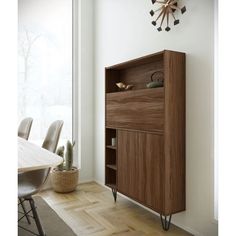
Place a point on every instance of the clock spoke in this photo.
(167, 19)
(160, 14)
(175, 7)
(173, 15)
(153, 12)
(163, 17)
(176, 21)
(183, 9)
(155, 22)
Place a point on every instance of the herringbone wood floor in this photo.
(91, 211)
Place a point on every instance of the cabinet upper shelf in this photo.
(137, 72)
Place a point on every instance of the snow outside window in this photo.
(45, 65)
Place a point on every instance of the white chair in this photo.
(25, 127)
(23, 132)
(30, 183)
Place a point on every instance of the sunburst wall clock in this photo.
(165, 9)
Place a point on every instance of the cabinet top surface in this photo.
(141, 60)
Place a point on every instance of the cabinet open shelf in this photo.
(126, 92)
(110, 176)
(111, 147)
(110, 159)
(112, 167)
(136, 72)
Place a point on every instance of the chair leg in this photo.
(24, 210)
(36, 217)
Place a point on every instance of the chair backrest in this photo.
(25, 127)
(51, 140)
(35, 179)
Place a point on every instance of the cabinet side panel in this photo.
(174, 132)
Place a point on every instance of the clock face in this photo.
(166, 9)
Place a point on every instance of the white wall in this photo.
(85, 88)
(123, 31)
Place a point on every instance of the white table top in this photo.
(33, 157)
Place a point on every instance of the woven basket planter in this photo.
(64, 181)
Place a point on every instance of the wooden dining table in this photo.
(33, 157)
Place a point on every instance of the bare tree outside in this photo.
(45, 65)
(26, 42)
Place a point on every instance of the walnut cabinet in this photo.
(147, 160)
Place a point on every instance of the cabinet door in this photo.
(138, 110)
(140, 167)
(151, 153)
(129, 169)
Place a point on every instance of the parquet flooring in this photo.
(91, 210)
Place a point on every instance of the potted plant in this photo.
(64, 178)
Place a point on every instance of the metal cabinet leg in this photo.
(114, 192)
(165, 222)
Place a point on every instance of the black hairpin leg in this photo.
(114, 192)
(165, 222)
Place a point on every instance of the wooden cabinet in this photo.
(147, 163)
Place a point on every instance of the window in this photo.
(45, 73)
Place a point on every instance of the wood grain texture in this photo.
(174, 142)
(129, 180)
(91, 211)
(33, 157)
(139, 109)
(140, 167)
(140, 76)
(151, 152)
(155, 57)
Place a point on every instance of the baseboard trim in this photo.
(184, 227)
